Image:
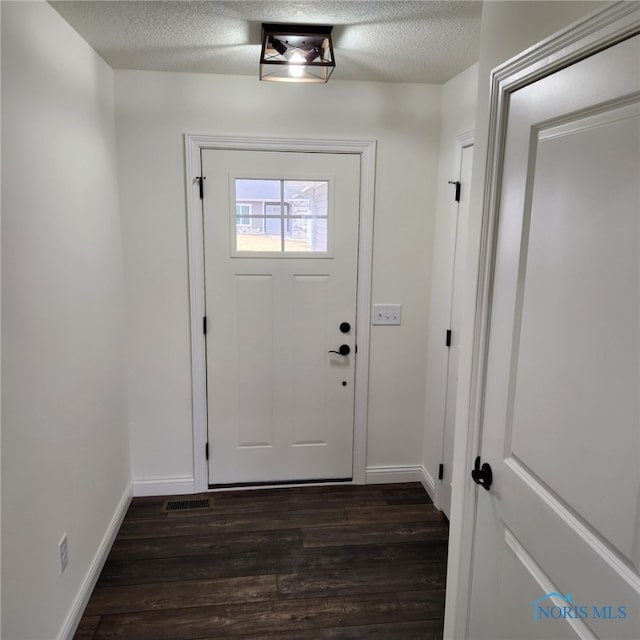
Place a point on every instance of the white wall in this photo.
(507, 28)
(153, 111)
(458, 117)
(65, 460)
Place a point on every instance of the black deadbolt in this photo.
(345, 327)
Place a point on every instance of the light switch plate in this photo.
(387, 314)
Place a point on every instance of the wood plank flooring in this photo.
(313, 563)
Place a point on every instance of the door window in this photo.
(281, 217)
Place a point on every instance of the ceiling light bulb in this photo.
(296, 69)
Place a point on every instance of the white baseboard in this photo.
(163, 487)
(429, 484)
(86, 588)
(403, 473)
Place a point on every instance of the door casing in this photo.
(194, 144)
(463, 141)
(597, 31)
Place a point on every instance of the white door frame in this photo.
(597, 31)
(194, 145)
(463, 140)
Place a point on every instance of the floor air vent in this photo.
(170, 506)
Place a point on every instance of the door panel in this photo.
(561, 425)
(521, 574)
(254, 322)
(310, 324)
(278, 284)
(582, 259)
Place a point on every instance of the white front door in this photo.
(455, 322)
(281, 246)
(557, 545)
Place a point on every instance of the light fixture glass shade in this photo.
(296, 53)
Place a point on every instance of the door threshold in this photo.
(280, 483)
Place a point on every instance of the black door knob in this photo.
(345, 327)
(482, 475)
(343, 350)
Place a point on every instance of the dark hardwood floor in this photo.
(334, 562)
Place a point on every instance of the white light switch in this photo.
(387, 314)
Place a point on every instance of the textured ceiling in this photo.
(390, 41)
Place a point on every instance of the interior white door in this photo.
(281, 244)
(459, 267)
(557, 544)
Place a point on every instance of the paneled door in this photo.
(281, 246)
(557, 544)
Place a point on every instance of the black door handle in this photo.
(343, 350)
(482, 475)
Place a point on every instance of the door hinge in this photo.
(206, 451)
(440, 471)
(447, 342)
(204, 325)
(201, 180)
(458, 186)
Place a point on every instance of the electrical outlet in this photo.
(387, 314)
(63, 548)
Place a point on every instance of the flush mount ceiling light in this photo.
(296, 53)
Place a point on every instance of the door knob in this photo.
(343, 350)
(345, 327)
(482, 475)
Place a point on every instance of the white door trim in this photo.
(194, 144)
(597, 31)
(463, 140)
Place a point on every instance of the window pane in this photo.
(262, 197)
(260, 234)
(306, 197)
(258, 190)
(306, 228)
(305, 234)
